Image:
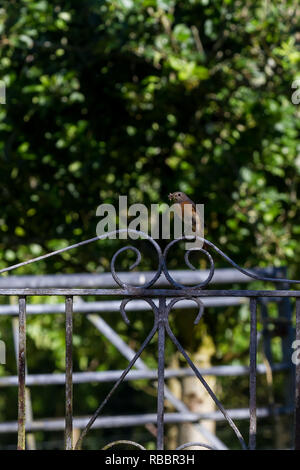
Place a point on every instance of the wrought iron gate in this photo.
(167, 298)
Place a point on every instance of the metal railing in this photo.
(161, 301)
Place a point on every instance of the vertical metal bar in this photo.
(21, 373)
(253, 353)
(297, 394)
(69, 371)
(161, 374)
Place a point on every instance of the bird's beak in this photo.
(171, 196)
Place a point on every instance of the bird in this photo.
(187, 207)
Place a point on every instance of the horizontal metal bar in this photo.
(138, 292)
(111, 376)
(57, 424)
(221, 276)
(106, 306)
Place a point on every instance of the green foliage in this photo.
(108, 98)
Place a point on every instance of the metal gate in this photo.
(166, 300)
